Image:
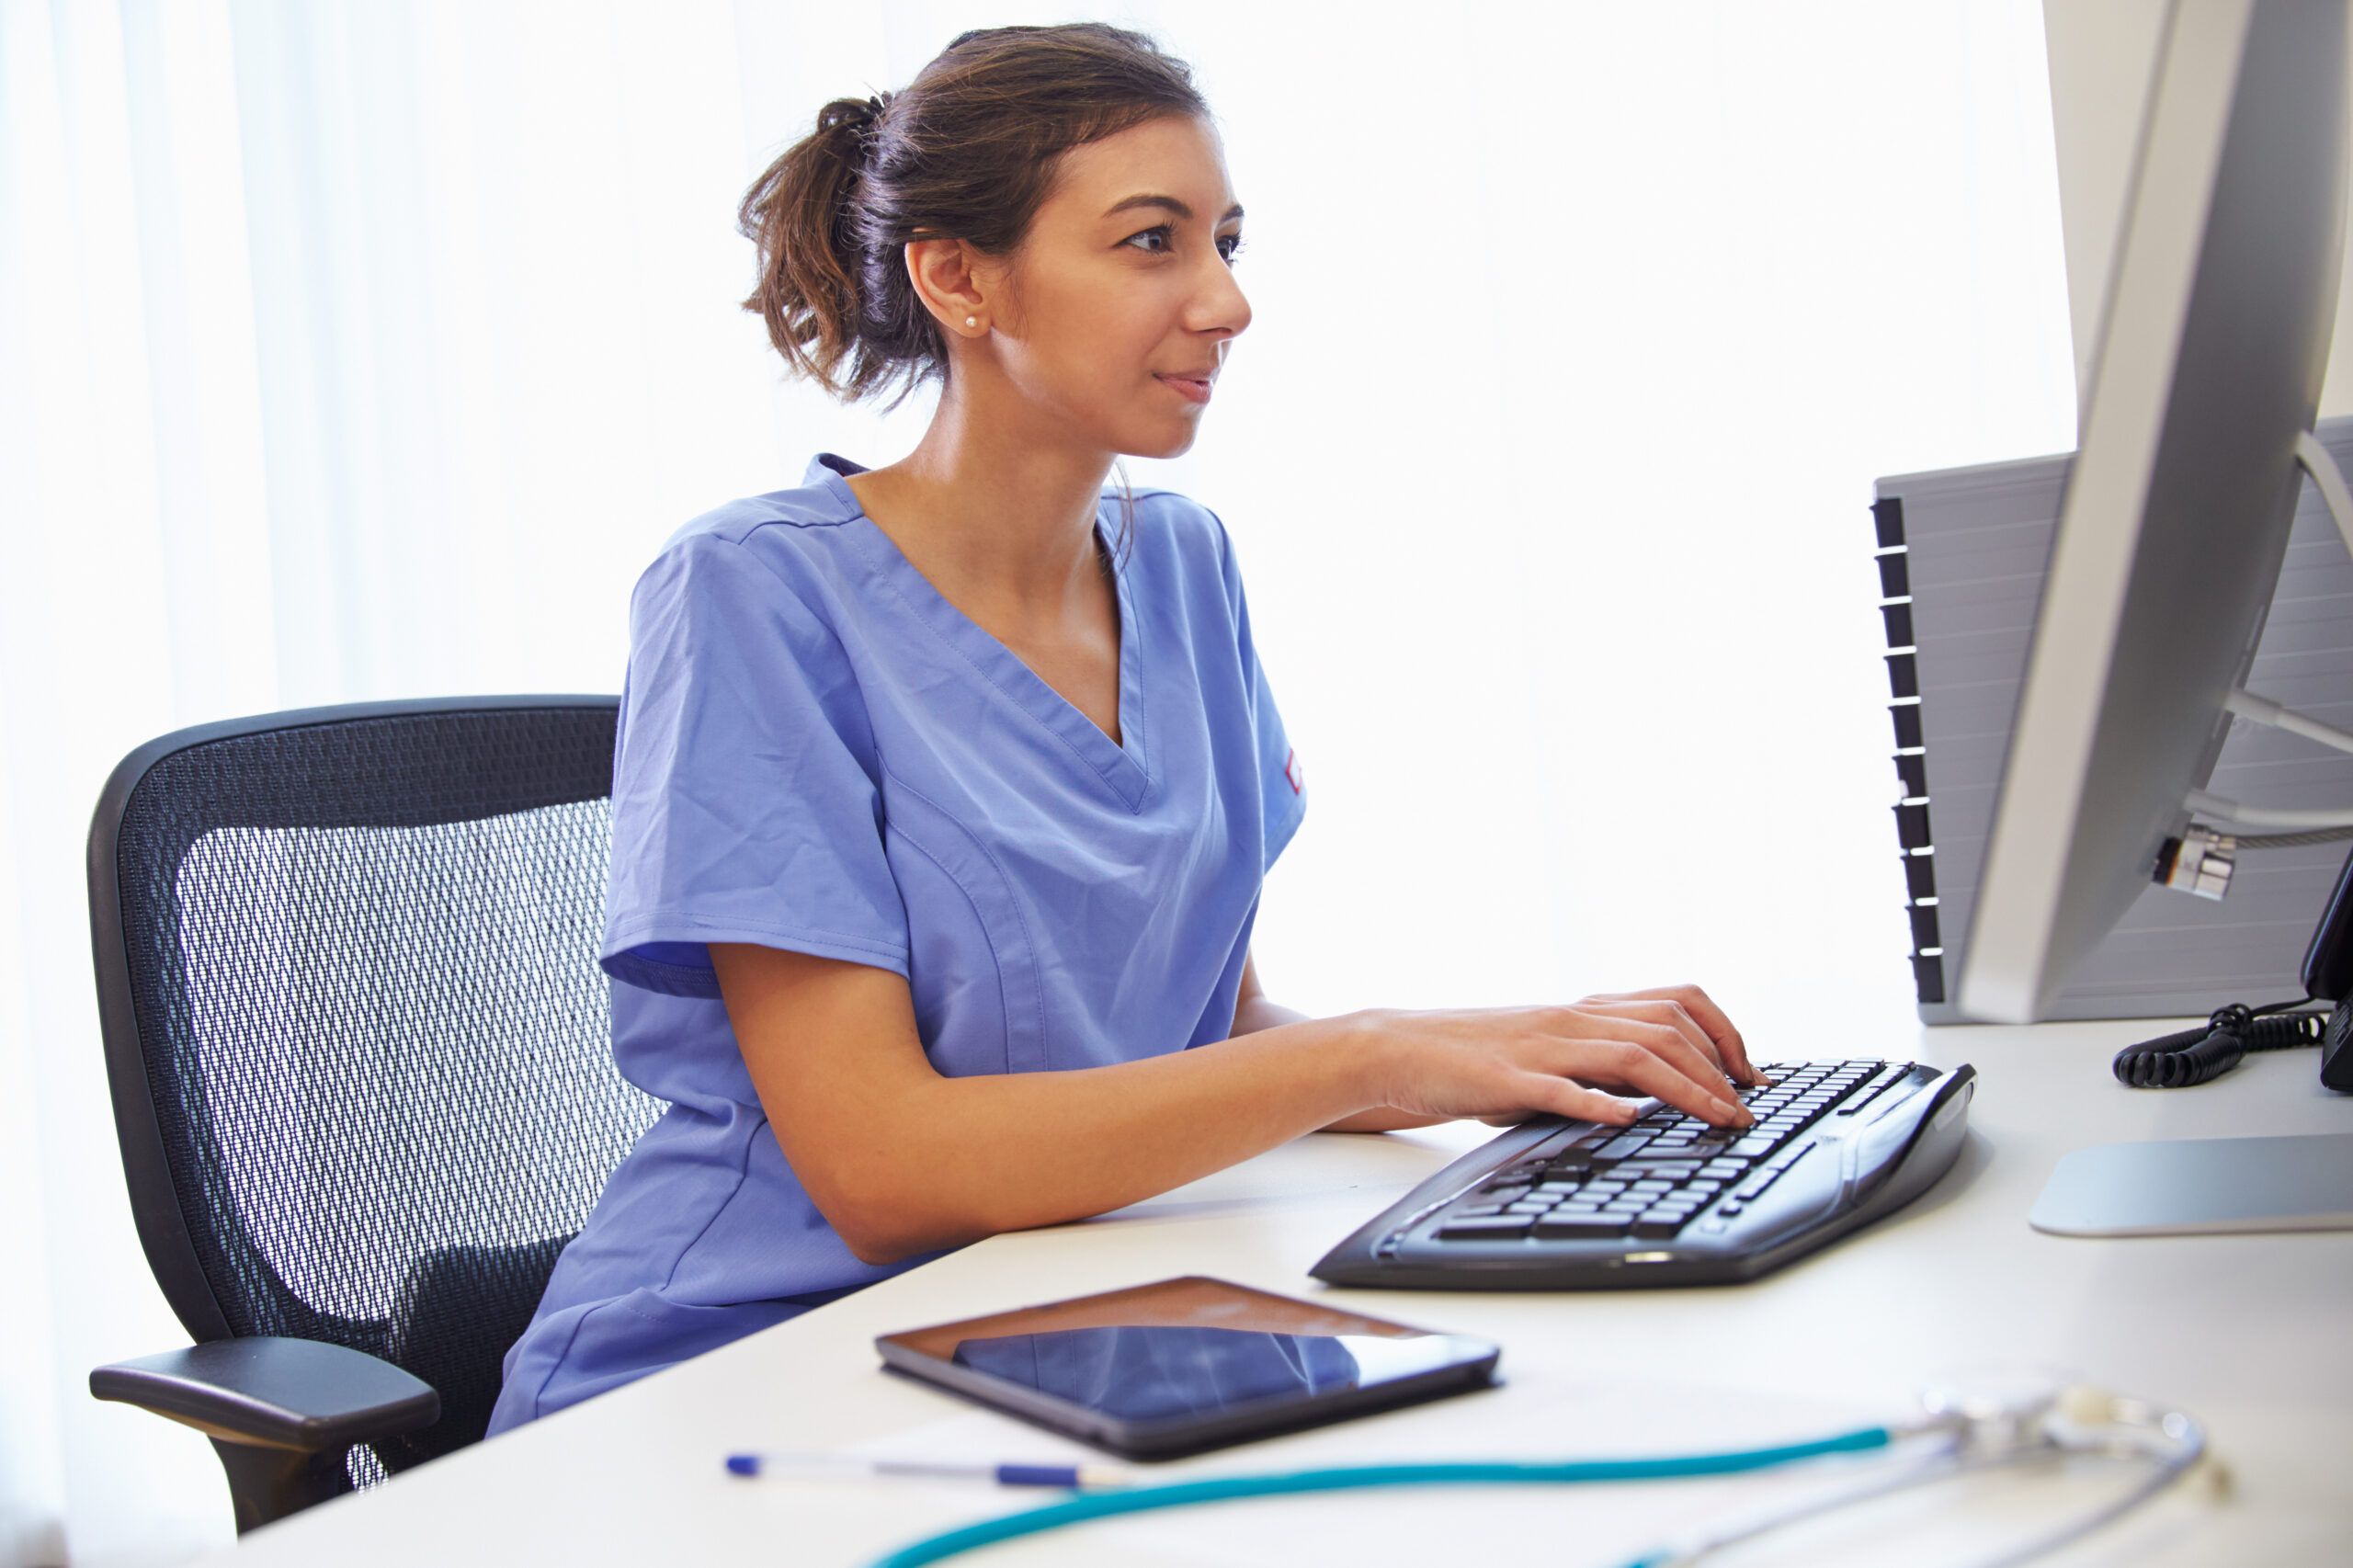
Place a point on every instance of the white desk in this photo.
(2249, 1331)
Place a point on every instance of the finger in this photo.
(1715, 1022)
(1665, 1010)
(1642, 1064)
(1566, 1096)
(1719, 1025)
(1676, 1038)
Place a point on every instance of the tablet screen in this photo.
(1183, 1350)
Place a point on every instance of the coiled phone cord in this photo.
(2196, 1056)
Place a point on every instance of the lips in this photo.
(1194, 389)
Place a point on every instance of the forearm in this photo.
(951, 1159)
(1258, 1013)
(901, 1160)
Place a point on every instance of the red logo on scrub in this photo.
(1291, 772)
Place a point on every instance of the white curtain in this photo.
(354, 350)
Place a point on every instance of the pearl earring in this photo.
(972, 321)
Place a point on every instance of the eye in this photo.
(1155, 240)
(1229, 246)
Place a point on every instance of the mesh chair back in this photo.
(358, 1037)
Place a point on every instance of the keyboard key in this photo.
(1495, 1228)
(1660, 1229)
(1618, 1148)
(1870, 1091)
(1581, 1227)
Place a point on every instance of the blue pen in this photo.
(845, 1466)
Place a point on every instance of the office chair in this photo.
(362, 1074)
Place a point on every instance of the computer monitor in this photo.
(2222, 303)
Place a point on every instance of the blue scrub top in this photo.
(819, 752)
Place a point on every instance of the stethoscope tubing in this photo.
(1950, 1455)
(1950, 1460)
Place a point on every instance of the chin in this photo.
(1161, 443)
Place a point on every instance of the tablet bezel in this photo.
(1469, 1366)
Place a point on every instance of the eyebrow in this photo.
(1183, 210)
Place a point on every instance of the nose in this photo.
(1219, 306)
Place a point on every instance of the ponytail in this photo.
(799, 214)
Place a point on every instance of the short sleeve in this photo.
(1282, 785)
(746, 802)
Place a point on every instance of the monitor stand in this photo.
(2201, 1187)
(2223, 1185)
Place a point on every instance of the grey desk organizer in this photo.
(1961, 559)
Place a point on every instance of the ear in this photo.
(953, 282)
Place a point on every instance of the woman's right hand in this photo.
(1577, 1061)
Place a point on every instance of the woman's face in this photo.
(1118, 307)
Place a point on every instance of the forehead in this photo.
(1177, 156)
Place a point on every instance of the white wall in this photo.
(1548, 454)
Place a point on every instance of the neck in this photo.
(990, 508)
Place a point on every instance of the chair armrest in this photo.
(302, 1395)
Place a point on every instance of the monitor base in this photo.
(2201, 1187)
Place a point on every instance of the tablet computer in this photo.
(1187, 1365)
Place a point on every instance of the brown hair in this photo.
(965, 152)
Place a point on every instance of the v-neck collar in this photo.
(1123, 765)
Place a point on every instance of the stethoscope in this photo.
(1997, 1424)
(1961, 1432)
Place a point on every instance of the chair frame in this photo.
(282, 1413)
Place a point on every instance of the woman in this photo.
(943, 798)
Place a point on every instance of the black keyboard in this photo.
(1555, 1205)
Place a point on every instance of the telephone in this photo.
(2328, 977)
